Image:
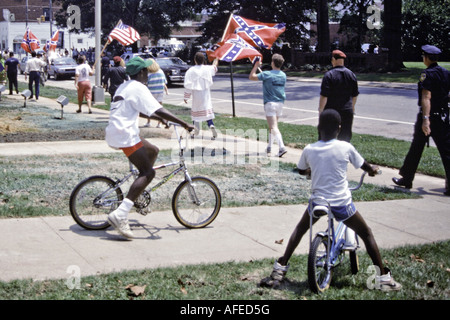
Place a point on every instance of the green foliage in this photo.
(425, 21)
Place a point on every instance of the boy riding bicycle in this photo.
(326, 161)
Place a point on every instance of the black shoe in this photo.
(402, 183)
(447, 193)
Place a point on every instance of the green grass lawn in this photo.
(422, 270)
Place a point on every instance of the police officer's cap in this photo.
(429, 49)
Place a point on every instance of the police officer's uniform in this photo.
(436, 80)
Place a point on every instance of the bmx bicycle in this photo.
(196, 201)
(327, 249)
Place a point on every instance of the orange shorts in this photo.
(130, 150)
(84, 90)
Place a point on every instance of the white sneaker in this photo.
(147, 125)
(281, 152)
(214, 132)
(121, 225)
(387, 283)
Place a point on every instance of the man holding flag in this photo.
(274, 96)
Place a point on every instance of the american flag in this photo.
(232, 49)
(258, 34)
(126, 35)
(52, 43)
(30, 42)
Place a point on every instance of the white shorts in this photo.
(158, 97)
(274, 109)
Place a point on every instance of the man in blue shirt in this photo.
(274, 96)
(11, 71)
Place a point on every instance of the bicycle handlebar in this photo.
(362, 179)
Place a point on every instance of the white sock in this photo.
(269, 145)
(277, 135)
(124, 208)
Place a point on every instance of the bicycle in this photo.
(196, 201)
(328, 248)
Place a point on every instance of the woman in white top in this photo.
(131, 99)
(197, 83)
(83, 83)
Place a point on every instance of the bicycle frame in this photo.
(336, 237)
(134, 172)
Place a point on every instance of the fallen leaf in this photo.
(416, 258)
(183, 289)
(279, 241)
(136, 290)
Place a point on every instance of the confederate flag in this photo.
(258, 34)
(52, 43)
(30, 42)
(126, 35)
(232, 49)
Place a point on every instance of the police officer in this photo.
(432, 119)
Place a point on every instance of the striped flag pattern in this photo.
(52, 43)
(126, 35)
(30, 42)
(257, 34)
(232, 49)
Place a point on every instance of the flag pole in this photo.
(231, 68)
(96, 60)
(104, 47)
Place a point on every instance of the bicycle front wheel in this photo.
(92, 200)
(319, 273)
(196, 204)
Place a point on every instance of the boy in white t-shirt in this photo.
(132, 99)
(326, 161)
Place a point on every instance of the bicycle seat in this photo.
(320, 211)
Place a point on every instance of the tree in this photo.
(354, 23)
(154, 18)
(425, 22)
(292, 12)
(323, 28)
(392, 33)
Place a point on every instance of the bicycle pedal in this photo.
(349, 247)
(144, 212)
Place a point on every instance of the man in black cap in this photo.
(432, 119)
(339, 91)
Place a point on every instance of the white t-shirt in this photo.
(123, 127)
(82, 71)
(328, 162)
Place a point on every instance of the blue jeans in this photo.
(34, 77)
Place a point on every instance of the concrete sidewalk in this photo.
(53, 247)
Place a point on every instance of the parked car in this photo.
(127, 56)
(62, 67)
(174, 68)
(23, 64)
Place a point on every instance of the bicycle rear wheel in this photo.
(196, 204)
(319, 273)
(92, 200)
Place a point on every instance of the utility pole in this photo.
(99, 92)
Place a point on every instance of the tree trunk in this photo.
(323, 30)
(393, 33)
